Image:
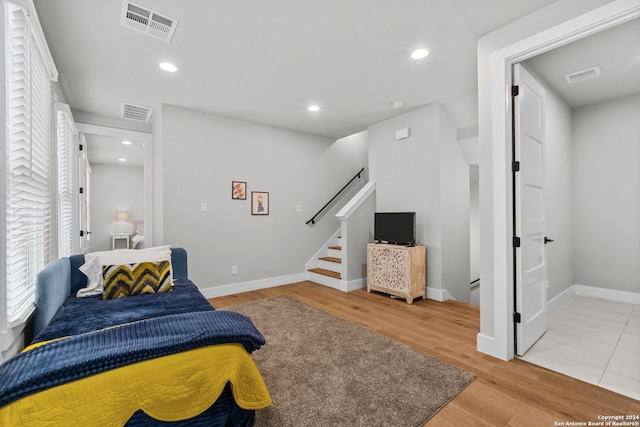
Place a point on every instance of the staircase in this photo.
(346, 248)
(328, 266)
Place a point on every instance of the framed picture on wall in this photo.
(259, 203)
(238, 190)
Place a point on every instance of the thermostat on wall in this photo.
(402, 133)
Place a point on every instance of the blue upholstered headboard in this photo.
(63, 278)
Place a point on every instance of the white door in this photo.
(530, 256)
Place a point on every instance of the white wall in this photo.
(606, 201)
(113, 188)
(427, 173)
(474, 224)
(454, 212)
(197, 155)
(359, 232)
(407, 177)
(558, 192)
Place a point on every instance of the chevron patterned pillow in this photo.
(134, 279)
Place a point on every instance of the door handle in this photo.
(547, 240)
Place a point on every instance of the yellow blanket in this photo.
(169, 388)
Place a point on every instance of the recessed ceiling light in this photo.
(397, 104)
(168, 66)
(419, 53)
(126, 142)
(313, 108)
(122, 159)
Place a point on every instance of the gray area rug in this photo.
(325, 371)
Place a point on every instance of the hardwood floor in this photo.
(514, 393)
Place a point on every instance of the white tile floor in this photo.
(594, 340)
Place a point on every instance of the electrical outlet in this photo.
(204, 207)
(234, 269)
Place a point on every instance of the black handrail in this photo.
(313, 220)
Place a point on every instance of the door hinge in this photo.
(80, 147)
(516, 242)
(81, 190)
(517, 318)
(515, 90)
(81, 233)
(515, 166)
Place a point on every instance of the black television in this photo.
(397, 228)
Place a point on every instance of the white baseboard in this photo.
(338, 284)
(355, 284)
(486, 344)
(439, 294)
(561, 298)
(254, 285)
(608, 294)
(593, 292)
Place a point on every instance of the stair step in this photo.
(331, 259)
(336, 248)
(325, 272)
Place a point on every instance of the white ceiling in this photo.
(108, 149)
(616, 51)
(266, 61)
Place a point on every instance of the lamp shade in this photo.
(122, 216)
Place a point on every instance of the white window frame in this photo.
(10, 332)
(67, 140)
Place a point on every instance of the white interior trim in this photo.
(608, 294)
(607, 16)
(313, 261)
(439, 294)
(594, 292)
(356, 201)
(353, 285)
(254, 285)
(39, 35)
(561, 298)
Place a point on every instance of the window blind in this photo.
(66, 153)
(28, 219)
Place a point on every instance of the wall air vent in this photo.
(139, 113)
(582, 75)
(147, 21)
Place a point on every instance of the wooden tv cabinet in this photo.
(397, 270)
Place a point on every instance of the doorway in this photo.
(497, 328)
(116, 224)
(593, 214)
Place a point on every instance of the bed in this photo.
(137, 235)
(159, 358)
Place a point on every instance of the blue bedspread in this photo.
(80, 315)
(89, 353)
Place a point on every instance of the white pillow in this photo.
(93, 262)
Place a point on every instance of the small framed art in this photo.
(259, 203)
(238, 190)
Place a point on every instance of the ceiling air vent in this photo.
(147, 21)
(582, 75)
(135, 112)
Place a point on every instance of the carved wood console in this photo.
(396, 270)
